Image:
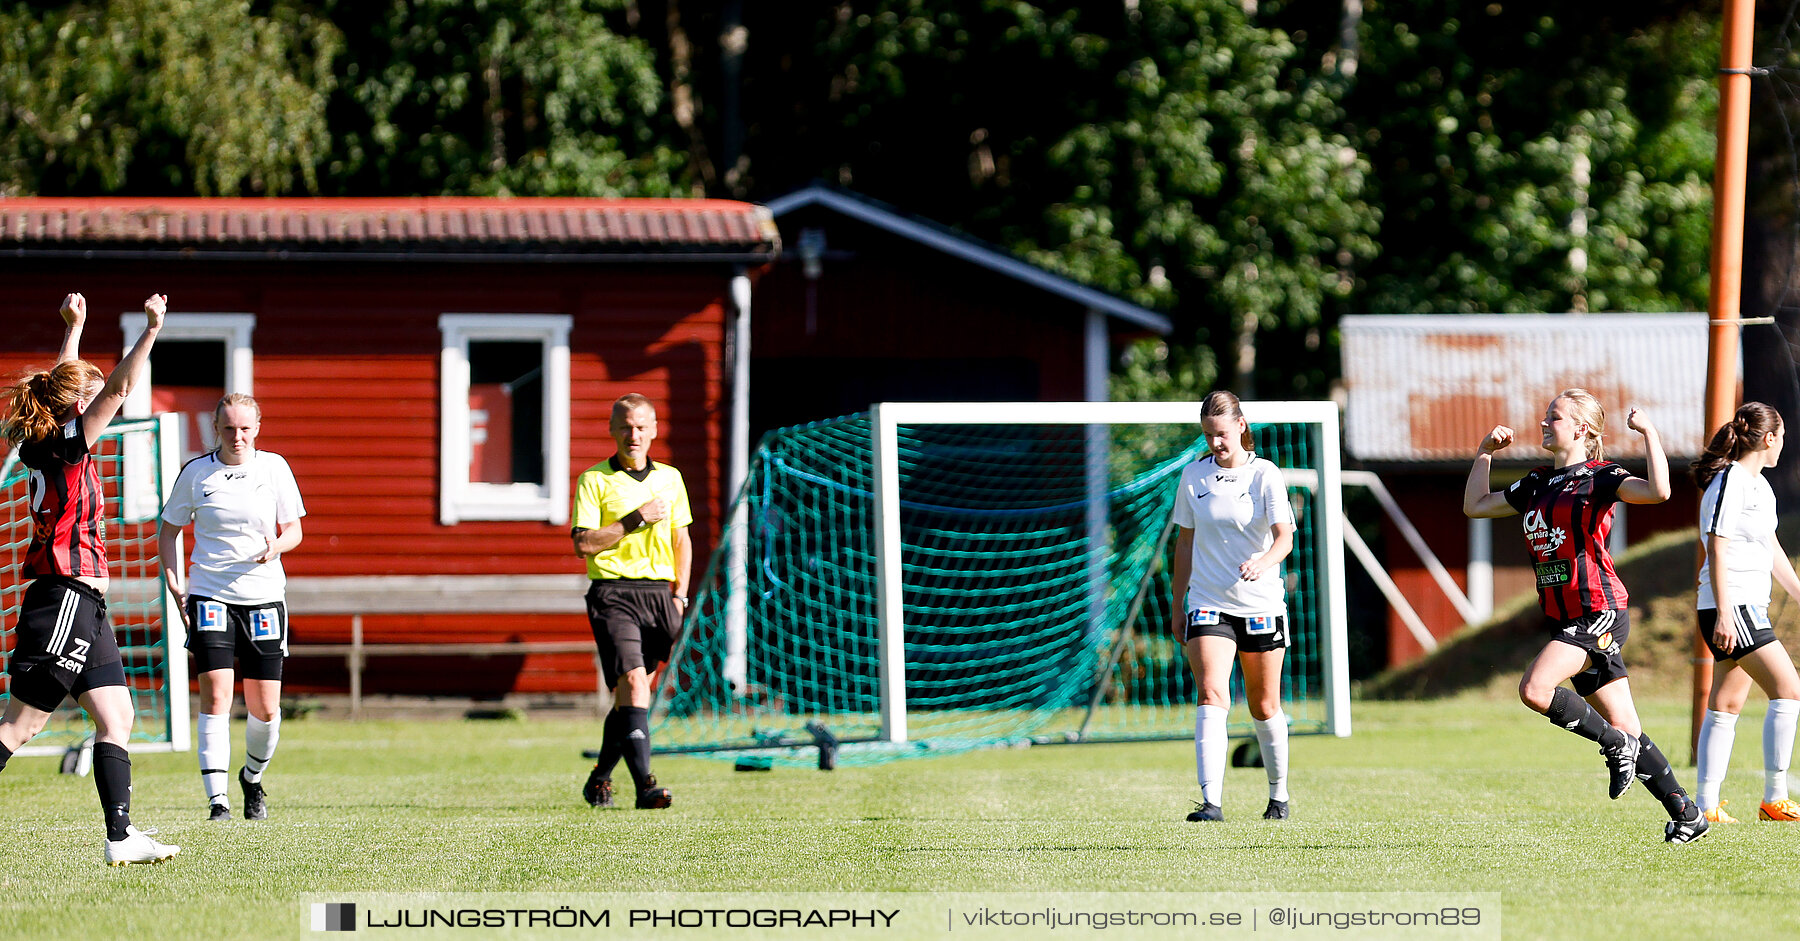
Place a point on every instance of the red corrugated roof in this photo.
(473, 226)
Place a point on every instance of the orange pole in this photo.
(1727, 266)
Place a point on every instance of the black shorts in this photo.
(253, 634)
(65, 646)
(1251, 634)
(1752, 629)
(1602, 634)
(634, 624)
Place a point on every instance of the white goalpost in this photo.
(1323, 480)
(926, 578)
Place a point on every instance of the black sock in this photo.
(635, 720)
(612, 743)
(5, 756)
(1571, 712)
(1659, 779)
(112, 778)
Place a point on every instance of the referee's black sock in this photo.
(1571, 712)
(635, 720)
(5, 756)
(1653, 769)
(612, 743)
(112, 778)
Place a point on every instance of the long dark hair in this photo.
(1734, 439)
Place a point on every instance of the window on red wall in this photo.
(504, 412)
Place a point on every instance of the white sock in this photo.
(1778, 747)
(1210, 745)
(215, 757)
(1717, 732)
(1272, 735)
(259, 744)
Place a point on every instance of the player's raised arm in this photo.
(1654, 486)
(126, 375)
(1479, 501)
(74, 315)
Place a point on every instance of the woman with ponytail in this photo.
(1234, 525)
(1568, 511)
(65, 645)
(1737, 528)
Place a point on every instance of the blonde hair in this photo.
(629, 402)
(1226, 404)
(1585, 409)
(236, 398)
(37, 401)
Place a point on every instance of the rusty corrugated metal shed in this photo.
(311, 227)
(1426, 388)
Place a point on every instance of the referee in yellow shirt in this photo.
(631, 525)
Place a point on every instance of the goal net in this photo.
(137, 462)
(933, 577)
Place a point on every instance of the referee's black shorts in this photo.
(634, 624)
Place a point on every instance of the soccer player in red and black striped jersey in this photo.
(1568, 510)
(65, 646)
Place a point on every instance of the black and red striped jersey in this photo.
(68, 508)
(1568, 517)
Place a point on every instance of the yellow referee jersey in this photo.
(606, 492)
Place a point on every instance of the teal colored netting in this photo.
(134, 598)
(1036, 593)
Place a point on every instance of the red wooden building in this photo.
(435, 370)
(869, 304)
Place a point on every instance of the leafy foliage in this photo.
(201, 96)
(1229, 162)
(528, 97)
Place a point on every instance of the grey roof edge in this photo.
(971, 251)
(1488, 323)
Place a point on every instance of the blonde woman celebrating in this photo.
(1568, 511)
(1737, 526)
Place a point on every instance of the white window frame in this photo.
(459, 498)
(234, 329)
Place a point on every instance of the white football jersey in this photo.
(1233, 512)
(1740, 506)
(235, 509)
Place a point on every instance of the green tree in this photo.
(522, 97)
(1537, 160)
(1167, 150)
(162, 96)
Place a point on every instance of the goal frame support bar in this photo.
(887, 417)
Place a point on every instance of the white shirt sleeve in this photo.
(1272, 495)
(179, 509)
(1184, 509)
(1723, 520)
(288, 506)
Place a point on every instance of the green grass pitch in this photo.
(1462, 795)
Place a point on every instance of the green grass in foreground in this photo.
(1461, 795)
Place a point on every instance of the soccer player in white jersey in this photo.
(1234, 525)
(1737, 526)
(246, 509)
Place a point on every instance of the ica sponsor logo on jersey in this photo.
(1543, 537)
